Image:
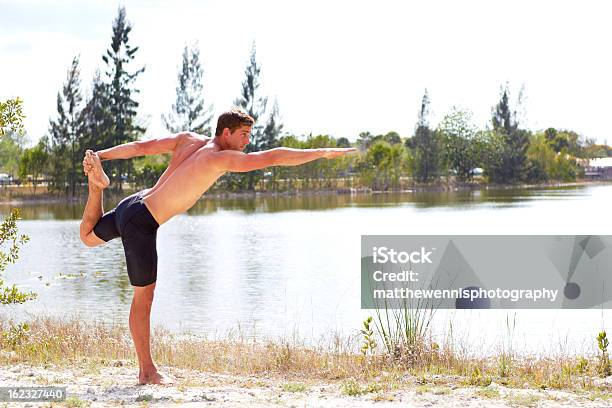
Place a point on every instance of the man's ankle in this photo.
(93, 188)
(148, 369)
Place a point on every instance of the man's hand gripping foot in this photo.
(92, 166)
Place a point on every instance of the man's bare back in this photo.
(184, 181)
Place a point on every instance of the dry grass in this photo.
(93, 345)
(523, 400)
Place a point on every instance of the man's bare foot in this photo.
(96, 175)
(154, 378)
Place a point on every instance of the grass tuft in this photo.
(92, 346)
(294, 387)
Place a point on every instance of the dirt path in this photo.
(111, 386)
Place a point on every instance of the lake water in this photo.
(289, 267)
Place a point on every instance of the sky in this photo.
(334, 67)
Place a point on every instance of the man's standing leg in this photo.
(140, 327)
(97, 182)
(140, 311)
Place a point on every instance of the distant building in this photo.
(599, 169)
(5, 178)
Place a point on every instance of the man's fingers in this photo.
(333, 152)
(87, 166)
(343, 151)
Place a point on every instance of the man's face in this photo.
(239, 138)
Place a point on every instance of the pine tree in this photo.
(66, 133)
(426, 146)
(512, 161)
(97, 120)
(272, 130)
(255, 105)
(188, 112)
(250, 100)
(503, 117)
(271, 136)
(120, 89)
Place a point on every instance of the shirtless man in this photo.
(197, 162)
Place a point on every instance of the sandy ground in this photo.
(116, 385)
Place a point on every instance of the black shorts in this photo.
(132, 221)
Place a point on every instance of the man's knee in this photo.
(144, 293)
(90, 240)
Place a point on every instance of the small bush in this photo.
(604, 367)
(294, 387)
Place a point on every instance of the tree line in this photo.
(503, 152)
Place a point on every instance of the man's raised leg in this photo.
(97, 182)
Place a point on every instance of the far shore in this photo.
(23, 196)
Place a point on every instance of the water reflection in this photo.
(324, 201)
(276, 264)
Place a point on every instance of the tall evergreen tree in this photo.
(97, 120)
(120, 90)
(426, 146)
(66, 133)
(512, 161)
(188, 112)
(255, 105)
(271, 132)
(271, 137)
(250, 100)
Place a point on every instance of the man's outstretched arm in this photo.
(235, 161)
(141, 148)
